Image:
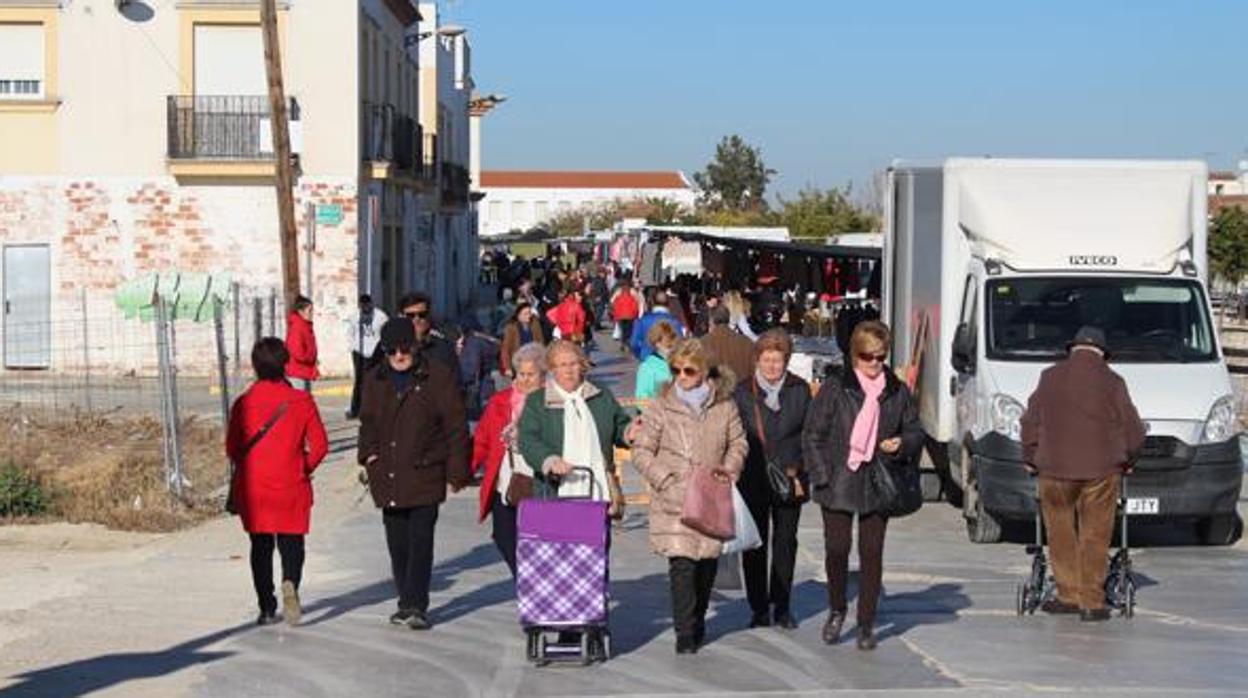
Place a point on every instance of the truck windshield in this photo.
(1145, 320)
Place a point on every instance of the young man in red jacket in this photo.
(1080, 434)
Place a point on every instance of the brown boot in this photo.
(832, 629)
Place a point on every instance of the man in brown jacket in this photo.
(727, 347)
(413, 443)
(1080, 433)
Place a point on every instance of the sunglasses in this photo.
(873, 357)
(413, 314)
(402, 349)
(689, 371)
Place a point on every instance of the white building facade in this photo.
(135, 140)
(517, 201)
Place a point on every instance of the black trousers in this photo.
(290, 548)
(504, 519)
(691, 581)
(837, 537)
(777, 526)
(409, 535)
(626, 331)
(361, 365)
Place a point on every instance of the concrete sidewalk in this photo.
(172, 616)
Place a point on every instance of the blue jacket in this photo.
(640, 346)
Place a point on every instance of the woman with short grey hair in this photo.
(507, 478)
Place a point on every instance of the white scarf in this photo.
(581, 446)
(771, 391)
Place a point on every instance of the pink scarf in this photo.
(867, 424)
(517, 408)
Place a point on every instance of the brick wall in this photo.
(104, 232)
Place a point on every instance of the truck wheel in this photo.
(983, 527)
(1223, 529)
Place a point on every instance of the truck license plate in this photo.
(1143, 505)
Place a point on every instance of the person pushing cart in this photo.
(1080, 433)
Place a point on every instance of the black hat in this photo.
(397, 332)
(1089, 336)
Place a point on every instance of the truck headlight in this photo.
(1222, 423)
(1006, 415)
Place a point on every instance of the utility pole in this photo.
(281, 152)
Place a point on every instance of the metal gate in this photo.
(27, 306)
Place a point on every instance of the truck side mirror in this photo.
(963, 355)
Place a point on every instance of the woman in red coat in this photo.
(495, 436)
(301, 343)
(275, 440)
(569, 317)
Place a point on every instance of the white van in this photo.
(991, 265)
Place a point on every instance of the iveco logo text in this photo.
(1093, 260)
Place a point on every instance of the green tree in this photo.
(818, 213)
(1228, 244)
(736, 179)
(661, 211)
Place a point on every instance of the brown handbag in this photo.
(521, 486)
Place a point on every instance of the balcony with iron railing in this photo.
(455, 185)
(390, 140)
(225, 129)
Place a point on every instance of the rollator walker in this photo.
(1120, 582)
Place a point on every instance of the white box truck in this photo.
(991, 265)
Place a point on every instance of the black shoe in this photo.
(785, 620)
(1058, 607)
(1093, 615)
(685, 644)
(832, 629)
(760, 620)
(401, 617)
(418, 621)
(268, 618)
(866, 638)
(699, 636)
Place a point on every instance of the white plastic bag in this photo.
(747, 537)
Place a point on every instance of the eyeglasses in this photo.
(871, 358)
(690, 371)
(401, 349)
(413, 314)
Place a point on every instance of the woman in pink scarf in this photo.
(857, 420)
(495, 437)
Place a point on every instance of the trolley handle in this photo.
(575, 469)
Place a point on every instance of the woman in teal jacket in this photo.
(654, 372)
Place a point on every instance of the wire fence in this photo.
(167, 359)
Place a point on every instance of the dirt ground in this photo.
(109, 469)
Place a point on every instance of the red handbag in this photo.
(707, 508)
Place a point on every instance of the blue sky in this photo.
(833, 90)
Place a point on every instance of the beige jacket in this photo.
(672, 440)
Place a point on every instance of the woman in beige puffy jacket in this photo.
(693, 423)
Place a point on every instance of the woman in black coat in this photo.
(777, 400)
(845, 436)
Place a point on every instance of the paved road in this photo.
(947, 625)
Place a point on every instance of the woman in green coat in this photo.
(573, 423)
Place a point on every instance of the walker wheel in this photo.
(1020, 600)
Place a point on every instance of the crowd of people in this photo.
(717, 400)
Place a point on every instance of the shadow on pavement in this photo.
(648, 614)
(935, 605)
(86, 676)
(381, 591)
